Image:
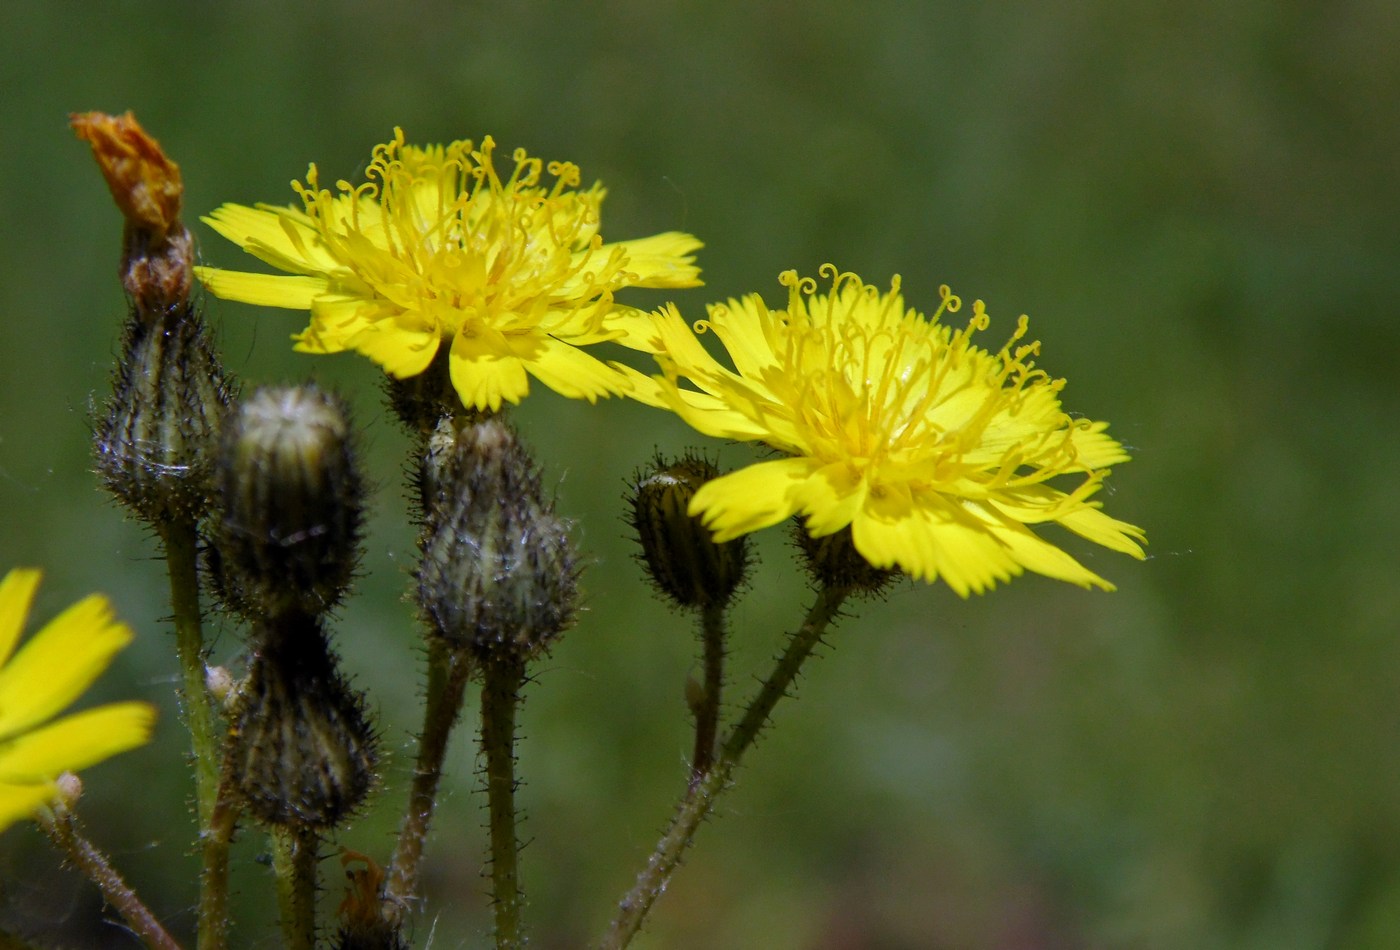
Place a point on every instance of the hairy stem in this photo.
(62, 830)
(700, 800)
(712, 632)
(294, 864)
(500, 696)
(182, 562)
(448, 671)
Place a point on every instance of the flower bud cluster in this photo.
(283, 550)
(498, 575)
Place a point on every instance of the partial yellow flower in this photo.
(53, 669)
(434, 249)
(936, 453)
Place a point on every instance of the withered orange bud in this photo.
(157, 267)
(145, 184)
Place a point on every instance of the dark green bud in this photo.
(155, 442)
(422, 399)
(678, 551)
(291, 500)
(498, 576)
(834, 562)
(302, 751)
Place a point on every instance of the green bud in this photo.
(678, 551)
(498, 576)
(154, 444)
(291, 503)
(302, 751)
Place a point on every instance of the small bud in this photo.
(834, 562)
(678, 551)
(291, 503)
(68, 789)
(155, 443)
(221, 685)
(303, 753)
(498, 574)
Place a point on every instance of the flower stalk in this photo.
(500, 696)
(448, 672)
(61, 827)
(700, 800)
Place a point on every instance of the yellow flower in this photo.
(937, 454)
(435, 249)
(53, 669)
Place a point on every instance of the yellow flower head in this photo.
(435, 249)
(52, 670)
(936, 453)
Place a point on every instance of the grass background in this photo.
(1195, 202)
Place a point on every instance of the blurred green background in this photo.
(1197, 204)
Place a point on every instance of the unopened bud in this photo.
(155, 443)
(678, 551)
(498, 575)
(291, 503)
(303, 752)
(834, 562)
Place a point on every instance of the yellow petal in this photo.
(485, 377)
(16, 596)
(1113, 534)
(265, 290)
(18, 802)
(663, 260)
(59, 663)
(830, 498)
(571, 372)
(752, 498)
(1039, 555)
(274, 235)
(400, 351)
(76, 742)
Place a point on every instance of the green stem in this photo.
(213, 878)
(712, 631)
(448, 671)
(182, 562)
(294, 863)
(62, 830)
(700, 801)
(500, 695)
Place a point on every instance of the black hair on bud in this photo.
(291, 499)
(678, 551)
(424, 398)
(154, 443)
(498, 575)
(303, 752)
(834, 563)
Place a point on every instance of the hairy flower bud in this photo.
(303, 752)
(678, 551)
(833, 562)
(291, 503)
(154, 444)
(498, 574)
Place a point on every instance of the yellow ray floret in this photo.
(937, 454)
(41, 679)
(435, 254)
